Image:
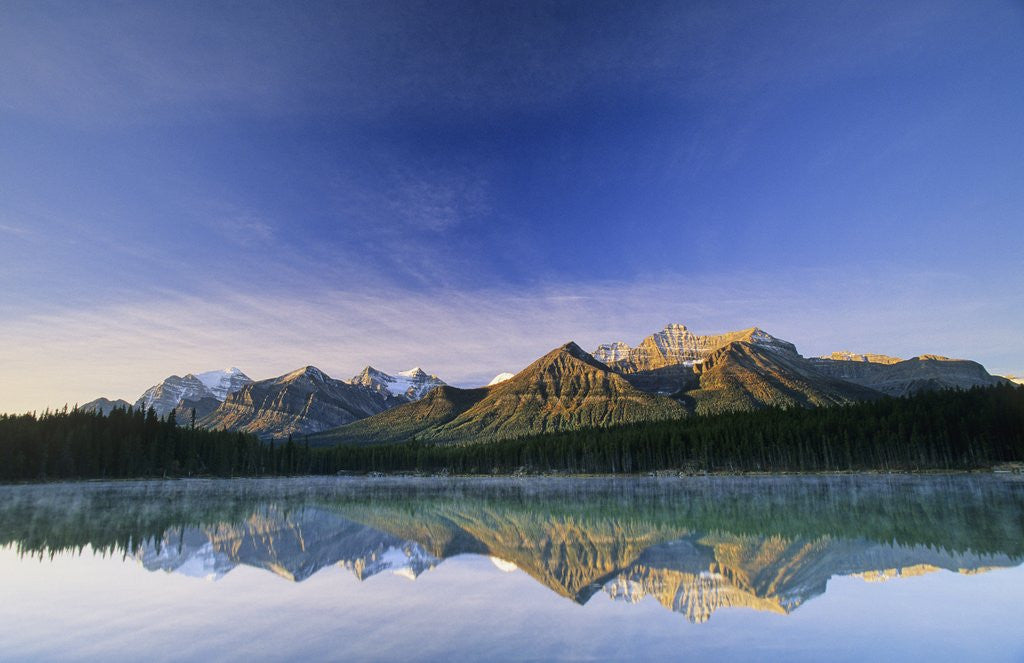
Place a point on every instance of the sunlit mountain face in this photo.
(694, 546)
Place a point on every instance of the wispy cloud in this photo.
(17, 231)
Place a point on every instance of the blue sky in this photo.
(466, 185)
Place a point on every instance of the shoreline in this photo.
(1008, 472)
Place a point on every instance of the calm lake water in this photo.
(847, 568)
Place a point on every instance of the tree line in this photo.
(130, 443)
(949, 429)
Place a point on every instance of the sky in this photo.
(464, 186)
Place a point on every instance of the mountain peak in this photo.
(310, 371)
(572, 348)
(223, 382)
(368, 370)
(410, 385)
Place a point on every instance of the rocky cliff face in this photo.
(410, 385)
(563, 390)
(301, 402)
(676, 345)
(896, 377)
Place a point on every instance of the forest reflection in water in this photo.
(695, 545)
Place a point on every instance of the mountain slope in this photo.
(565, 389)
(746, 376)
(203, 406)
(104, 405)
(402, 423)
(303, 401)
(897, 377)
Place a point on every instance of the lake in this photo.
(390, 569)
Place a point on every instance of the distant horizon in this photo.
(463, 384)
(463, 185)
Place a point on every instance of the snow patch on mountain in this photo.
(412, 384)
(223, 382)
(166, 395)
(500, 377)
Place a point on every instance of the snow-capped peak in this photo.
(223, 382)
(412, 384)
(501, 377)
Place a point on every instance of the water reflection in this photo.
(694, 545)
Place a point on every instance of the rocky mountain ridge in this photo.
(671, 373)
(304, 401)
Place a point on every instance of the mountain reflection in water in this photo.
(694, 545)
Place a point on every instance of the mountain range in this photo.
(670, 374)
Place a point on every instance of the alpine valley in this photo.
(671, 374)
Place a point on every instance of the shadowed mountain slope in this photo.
(404, 422)
(104, 405)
